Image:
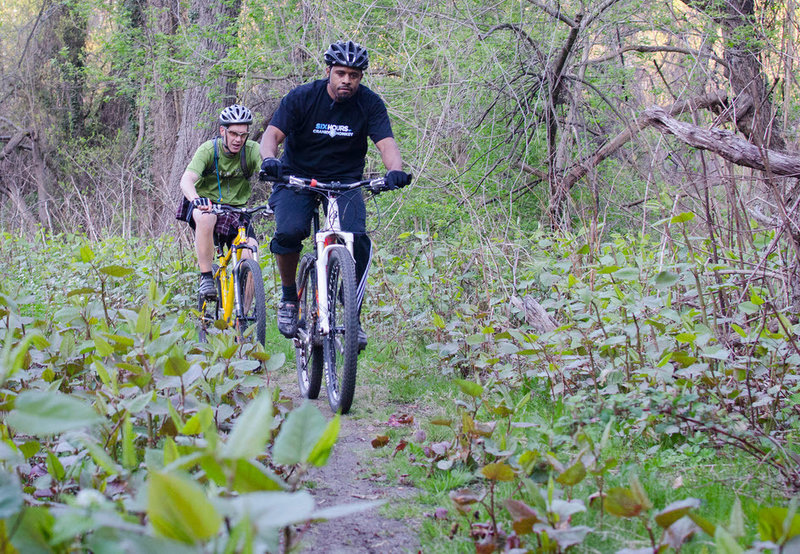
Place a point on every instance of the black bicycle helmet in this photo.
(347, 54)
(235, 115)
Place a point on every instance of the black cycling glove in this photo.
(395, 179)
(201, 201)
(271, 170)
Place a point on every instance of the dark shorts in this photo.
(295, 208)
(227, 225)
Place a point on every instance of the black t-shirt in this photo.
(327, 140)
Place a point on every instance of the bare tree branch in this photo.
(649, 49)
(582, 168)
(13, 142)
(725, 144)
(555, 12)
(511, 26)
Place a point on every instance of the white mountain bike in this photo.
(327, 334)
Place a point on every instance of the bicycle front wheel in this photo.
(209, 310)
(308, 348)
(253, 308)
(341, 344)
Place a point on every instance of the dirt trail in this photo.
(353, 474)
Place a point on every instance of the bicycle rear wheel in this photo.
(341, 344)
(308, 350)
(209, 310)
(253, 309)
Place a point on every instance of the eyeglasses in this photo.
(236, 135)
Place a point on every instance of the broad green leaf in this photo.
(80, 291)
(179, 509)
(143, 321)
(621, 502)
(54, 466)
(675, 511)
(199, 422)
(251, 476)
(44, 413)
(115, 270)
(666, 279)
(14, 355)
(627, 273)
(772, 522)
(10, 494)
(275, 361)
(639, 493)
(100, 456)
(498, 472)
(32, 530)
(725, 543)
(86, 253)
(170, 451)
(682, 218)
(299, 435)
(28, 449)
(742, 333)
(606, 269)
(322, 450)
(469, 388)
(252, 429)
(748, 307)
(129, 459)
(176, 364)
(276, 509)
(572, 475)
(438, 322)
(108, 540)
(736, 525)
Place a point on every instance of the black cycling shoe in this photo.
(362, 339)
(287, 318)
(207, 288)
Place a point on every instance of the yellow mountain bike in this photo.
(240, 301)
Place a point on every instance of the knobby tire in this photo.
(308, 348)
(256, 312)
(341, 344)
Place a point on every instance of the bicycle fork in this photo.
(326, 242)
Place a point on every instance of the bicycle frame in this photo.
(330, 235)
(230, 300)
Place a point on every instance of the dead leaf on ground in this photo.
(380, 441)
(397, 420)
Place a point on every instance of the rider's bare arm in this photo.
(390, 154)
(188, 181)
(272, 138)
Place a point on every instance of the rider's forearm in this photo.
(390, 154)
(188, 181)
(270, 142)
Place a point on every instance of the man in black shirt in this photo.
(324, 126)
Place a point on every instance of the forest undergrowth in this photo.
(650, 405)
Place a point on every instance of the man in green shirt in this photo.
(220, 173)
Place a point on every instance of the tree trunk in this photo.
(163, 120)
(753, 112)
(198, 112)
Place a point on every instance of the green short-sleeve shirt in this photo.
(234, 187)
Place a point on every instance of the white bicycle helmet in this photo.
(235, 115)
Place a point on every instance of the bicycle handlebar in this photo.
(224, 208)
(373, 185)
